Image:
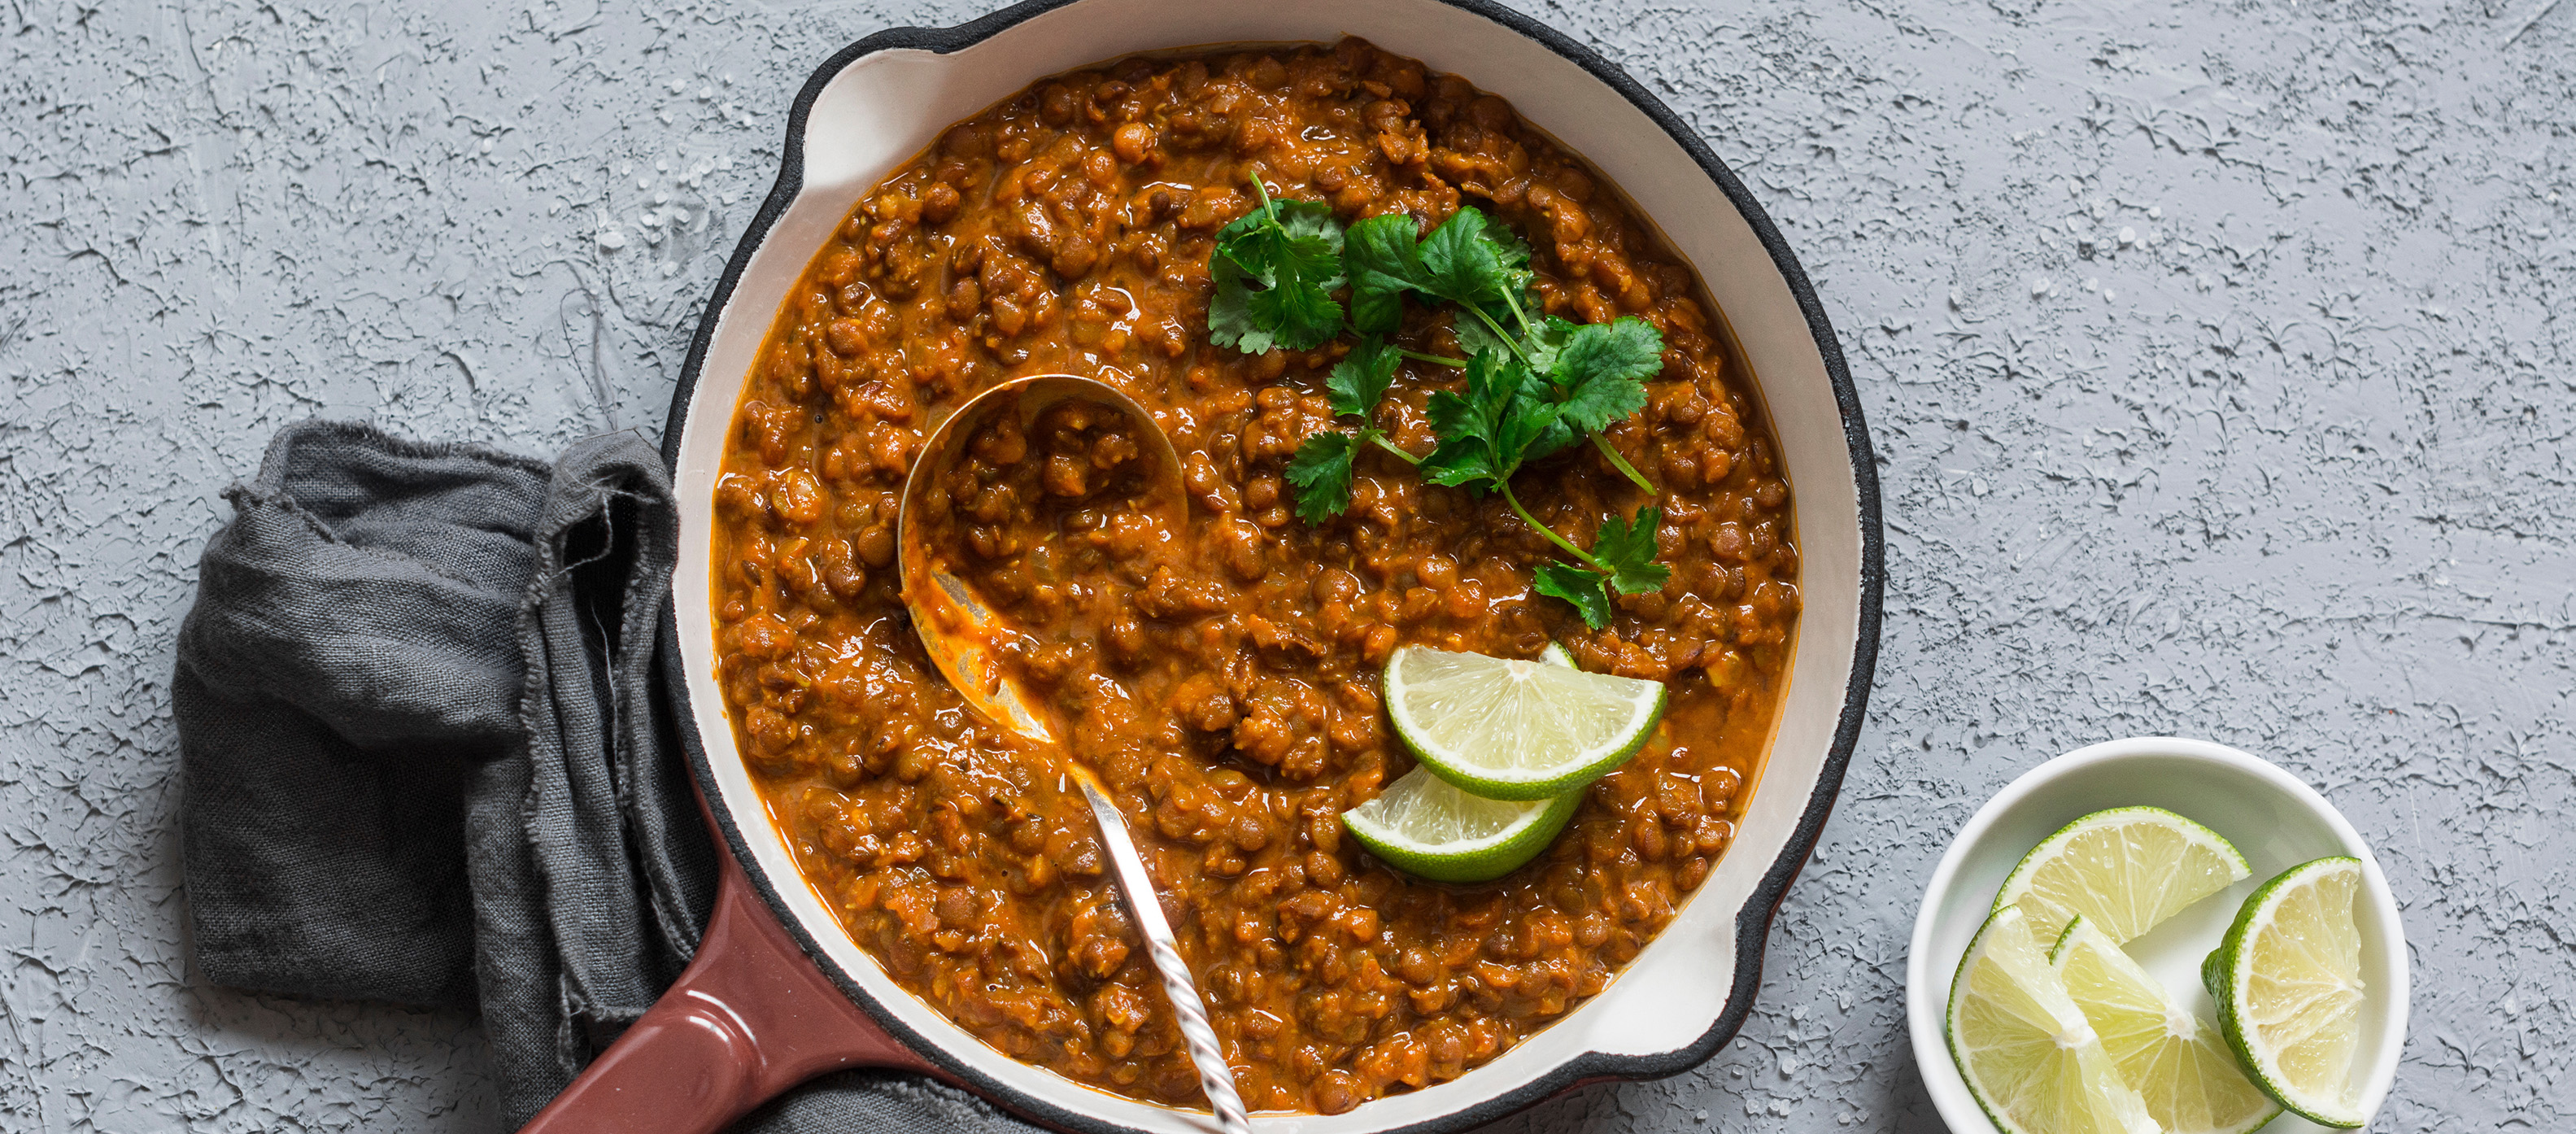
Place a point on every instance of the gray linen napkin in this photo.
(425, 759)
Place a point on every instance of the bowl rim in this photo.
(1926, 992)
(1752, 920)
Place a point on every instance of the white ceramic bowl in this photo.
(2275, 820)
(878, 102)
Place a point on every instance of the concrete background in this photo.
(2217, 354)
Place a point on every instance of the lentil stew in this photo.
(1221, 679)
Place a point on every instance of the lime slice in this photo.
(2125, 870)
(1516, 729)
(1557, 654)
(2288, 983)
(2175, 1059)
(1425, 827)
(2025, 1049)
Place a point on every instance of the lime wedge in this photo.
(1557, 654)
(1425, 827)
(1516, 729)
(2125, 870)
(2288, 983)
(2026, 1051)
(2175, 1059)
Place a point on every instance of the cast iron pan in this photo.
(777, 994)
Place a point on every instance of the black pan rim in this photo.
(1753, 920)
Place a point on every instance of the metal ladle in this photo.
(956, 629)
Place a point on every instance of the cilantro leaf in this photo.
(1559, 436)
(1463, 263)
(1288, 239)
(1301, 318)
(1310, 220)
(1379, 258)
(1601, 368)
(1475, 335)
(1580, 586)
(1627, 347)
(1467, 260)
(1513, 251)
(1541, 346)
(1600, 400)
(1628, 550)
(1293, 251)
(1465, 455)
(1595, 370)
(1486, 431)
(1230, 311)
(1528, 419)
(1599, 374)
(1361, 377)
(1546, 340)
(1321, 471)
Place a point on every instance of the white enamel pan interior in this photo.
(883, 100)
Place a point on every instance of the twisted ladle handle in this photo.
(1215, 1077)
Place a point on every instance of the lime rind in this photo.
(2174, 1058)
(1557, 654)
(2056, 1076)
(2323, 891)
(1519, 730)
(2153, 882)
(1426, 827)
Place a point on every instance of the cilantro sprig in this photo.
(1506, 418)
(1293, 250)
(1485, 272)
(1465, 261)
(1622, 559)
(1534, 387)
(1321, 470)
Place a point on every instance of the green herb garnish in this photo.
(1463, 261)
(1534, 387)
(1321, 470)
(1487, 432)
(1293, 250)
(1504, 419)
(1485, 272)
(1622, 558)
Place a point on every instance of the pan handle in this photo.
(750, 1018)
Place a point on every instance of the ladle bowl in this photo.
(957, 628)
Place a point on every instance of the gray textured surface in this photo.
(2210, 349)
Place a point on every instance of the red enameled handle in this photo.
(750, 1018)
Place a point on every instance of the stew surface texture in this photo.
(1222, 680)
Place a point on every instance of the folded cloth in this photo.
(424, 758)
